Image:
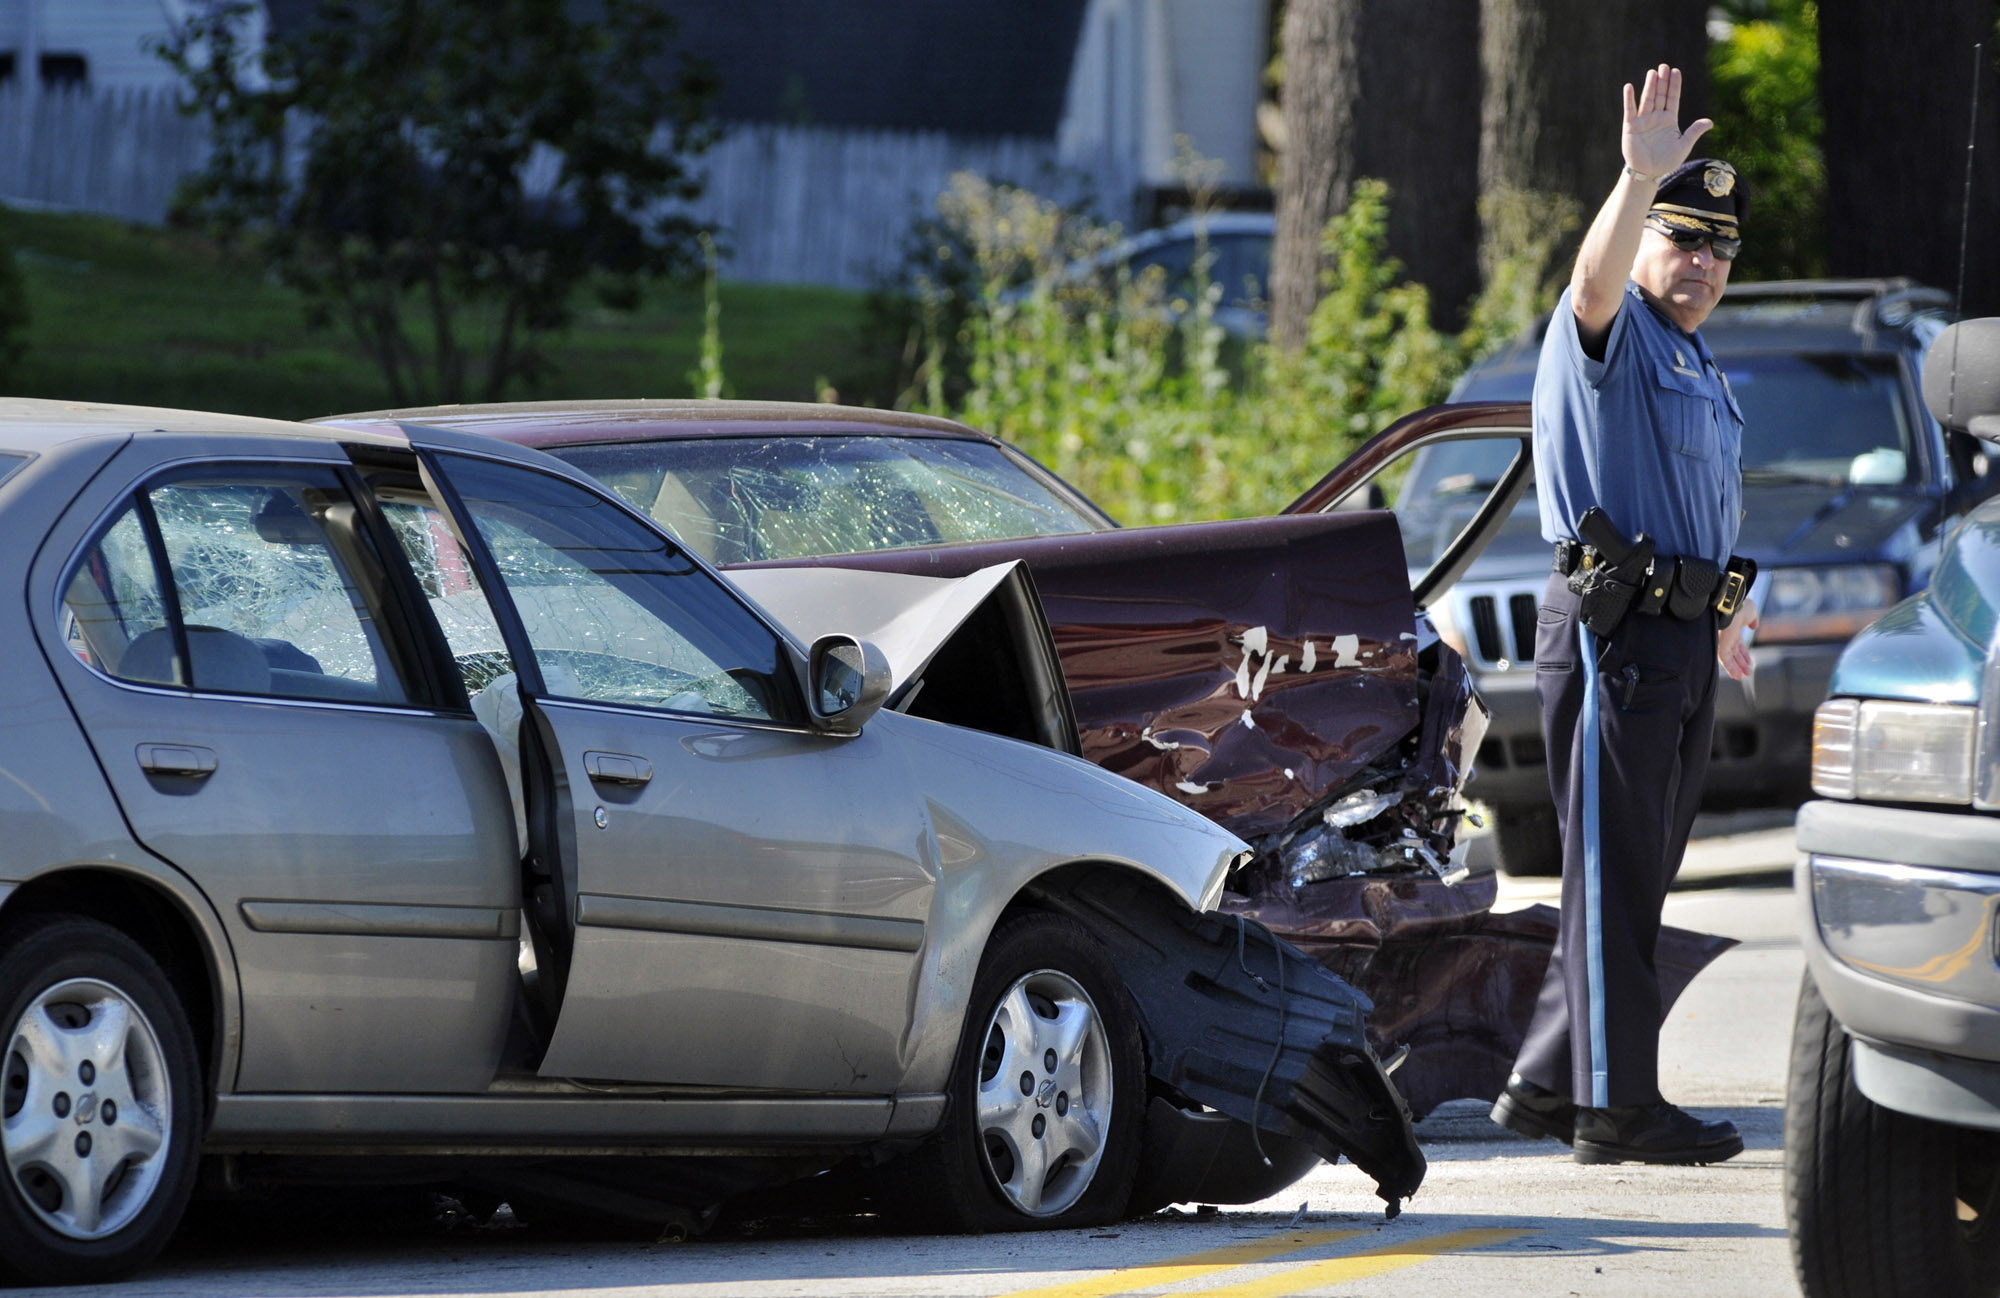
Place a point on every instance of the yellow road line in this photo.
(1174, 1270)
(1359, 1266)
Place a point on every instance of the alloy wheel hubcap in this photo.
(87, 1107)
(1044, 1101)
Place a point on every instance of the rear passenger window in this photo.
(263, 572)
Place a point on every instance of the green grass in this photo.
(136, 314)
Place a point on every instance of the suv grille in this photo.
(1499, 622)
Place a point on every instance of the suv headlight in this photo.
(1824, 603)
(1881, 751)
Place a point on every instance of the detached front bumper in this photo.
(1762, 744)
(1247, 1024)
(1900, 936)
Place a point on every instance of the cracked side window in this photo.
(451, 585)
(113, 599)
(613, 612)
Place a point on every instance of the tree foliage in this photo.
(1764, 67)
(440, 176)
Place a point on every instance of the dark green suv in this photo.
(1892, 1139)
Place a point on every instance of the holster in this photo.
(1612, 573)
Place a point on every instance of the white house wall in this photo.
(1147, 71)
(111, 35)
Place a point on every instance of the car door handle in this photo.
(617, 768)
(189, 760)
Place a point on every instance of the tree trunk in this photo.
(1896, 85)
(1417, 127)
(1384, 88)
(1553, 69)
(1322, 51)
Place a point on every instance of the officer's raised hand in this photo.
(1653, 142)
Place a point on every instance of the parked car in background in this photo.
(1849, 490)
(1238, 246)
(1273, 674)
(1892, 1115)
(407, 793)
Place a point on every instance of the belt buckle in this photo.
(1732, 593)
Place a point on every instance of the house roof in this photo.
(968, 67)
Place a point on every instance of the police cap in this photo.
(1702, 194)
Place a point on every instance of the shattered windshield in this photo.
(740, 499)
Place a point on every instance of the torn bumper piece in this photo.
(1249, 1025)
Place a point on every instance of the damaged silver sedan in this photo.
(407, 808)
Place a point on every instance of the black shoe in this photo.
(1534, 1110)
(1652, 1133)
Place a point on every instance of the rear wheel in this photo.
(1528, 839)
(1879, 1202)
(1046, 1104)
(101, 1100)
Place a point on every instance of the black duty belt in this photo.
(1613, 576)
(1728, 584)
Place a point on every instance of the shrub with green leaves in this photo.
(1136, 395)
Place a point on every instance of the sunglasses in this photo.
(1692, 240)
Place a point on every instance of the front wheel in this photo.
(1880, 1203)
(102, 1104)
(1046, 1104)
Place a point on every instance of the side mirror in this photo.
(847, 681)
(1962, 378)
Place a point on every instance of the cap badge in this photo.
(1718, 178)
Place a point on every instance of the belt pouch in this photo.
(1693, 589)
(1656, 589)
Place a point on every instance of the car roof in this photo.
(1796, 315)
(565, 423)
(35, 425)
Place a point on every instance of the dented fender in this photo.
(1243, 1022)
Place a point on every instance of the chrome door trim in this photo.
(752, 923)
(375, 919)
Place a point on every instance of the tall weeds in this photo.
(1127, 386)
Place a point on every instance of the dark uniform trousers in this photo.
(1626, 721)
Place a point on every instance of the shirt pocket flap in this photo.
(1683, 379)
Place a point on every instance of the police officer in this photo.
(1632, 419)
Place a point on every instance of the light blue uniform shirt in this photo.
(1650, 434)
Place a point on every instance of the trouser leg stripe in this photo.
(1593, 878)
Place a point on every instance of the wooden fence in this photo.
(120, 153)
(789, 204)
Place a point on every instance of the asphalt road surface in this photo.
(1498, 1215)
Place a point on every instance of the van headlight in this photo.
(1880, 751)
(1830, 603)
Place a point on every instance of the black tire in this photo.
(1872, 1195)
(1527, 840)
(965, 1177)
(47, 1235)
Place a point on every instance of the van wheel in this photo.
(1046, 1104)
(102, 1103)
(1879, 1202)
(1528, 840)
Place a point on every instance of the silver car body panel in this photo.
(353, 874)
